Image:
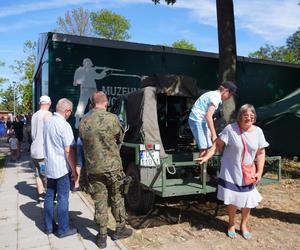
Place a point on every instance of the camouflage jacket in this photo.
(100, 132)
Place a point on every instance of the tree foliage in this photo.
(110, 25)
(289, 53)
(2, 79)
(25, 69)
(75, 22)
(7, 99)
(184, 44)
(167, 1)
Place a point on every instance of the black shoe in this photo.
(101, 241)
(41, 197)
(71, 231)
(122, 233)
(48, 232)
(76, 189)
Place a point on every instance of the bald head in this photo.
(64, 107)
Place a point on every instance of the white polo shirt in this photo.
(58, 135)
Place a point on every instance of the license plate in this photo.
(148, 161)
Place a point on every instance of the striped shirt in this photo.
(58, 135)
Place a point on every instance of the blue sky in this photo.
(257, 22)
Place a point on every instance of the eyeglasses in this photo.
(70, 110)
(251, 117)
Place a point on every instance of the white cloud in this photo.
(273, 19)
(26, 7)
(22, 25)
(203, 11)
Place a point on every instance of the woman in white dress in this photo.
(232, 188)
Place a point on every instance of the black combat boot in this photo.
(101, 241)
(122, 233)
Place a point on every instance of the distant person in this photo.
(18, 128)
(2, 127)
(28, 130)
(243, 142)
(60, 162)
(201, 117)
(38, 121)
(86, 76)
(100, 132)
(14, 147)
(8, 122)
(79, 163)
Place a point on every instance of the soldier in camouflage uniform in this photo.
(100, 132)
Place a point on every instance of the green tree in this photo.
(184, 44)
(227, 48)
(110, 25)
(2, 79)
(25, 69)
(7, 99)
(75, 22)
(290, 53)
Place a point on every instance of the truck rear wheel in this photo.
(139, 200)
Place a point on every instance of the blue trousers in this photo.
(61, 187)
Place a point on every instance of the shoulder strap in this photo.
(244, 144)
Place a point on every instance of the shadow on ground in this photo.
(277, 215)
(199, 213)
(27, 189)
(31, 210)
(83, 225)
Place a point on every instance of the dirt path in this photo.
(192, 225)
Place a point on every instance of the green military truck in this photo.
(117, 68)
(61, 58)
(75, 66)
(158, 151)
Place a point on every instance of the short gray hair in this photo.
(63, 105)
(244, 109)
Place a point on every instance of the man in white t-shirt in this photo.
(201, 116)
(38, 121)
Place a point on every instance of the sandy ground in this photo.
(192, 224)
(275, 223)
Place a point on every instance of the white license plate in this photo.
(148, 161)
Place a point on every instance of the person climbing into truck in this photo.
(201, 116)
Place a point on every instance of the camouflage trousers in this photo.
(105, 190)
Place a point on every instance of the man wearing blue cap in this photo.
(201, 116)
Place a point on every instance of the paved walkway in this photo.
(21, 217)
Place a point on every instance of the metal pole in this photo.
(14, 100)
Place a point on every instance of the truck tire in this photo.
(139, 200)
(148, 201)
(133, 198)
